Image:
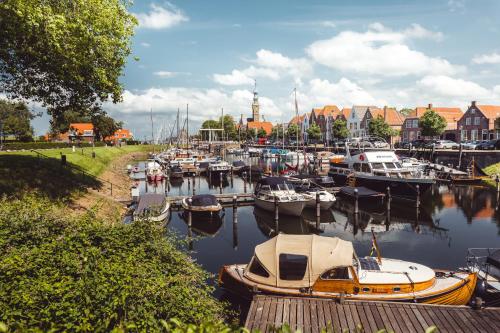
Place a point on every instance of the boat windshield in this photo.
(377, 166)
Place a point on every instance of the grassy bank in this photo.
(83, 157)
(492, 170)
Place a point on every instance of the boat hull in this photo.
(458, 294)
(293, 208)
(323, 205)
(402, 188)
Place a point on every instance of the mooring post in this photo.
(190, 214)
(388, 199)
(497, 179)
(276, 213)
(356, 197)
(321, 164)
(250, 172)
(220, 183)
(318, 205)
(418, 196)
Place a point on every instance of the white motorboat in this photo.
(413, 164)
(270, 191)
(326, 199)
(152, 207)
(217, 168)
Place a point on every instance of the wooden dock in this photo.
(225, 199)
(314, 314)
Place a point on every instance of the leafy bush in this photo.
(63, 273)
(47, 145)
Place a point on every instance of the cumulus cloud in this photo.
(145, 44)
(168, 74)
(380, 51)
(344, 92)
(270, 65)
(492, 58)
(161, 17)
(203, 103)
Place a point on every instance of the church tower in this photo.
(255, 104)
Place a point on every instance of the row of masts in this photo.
(185, 125)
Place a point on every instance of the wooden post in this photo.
(356, 197)
(418, 196)
(250, 172)
(388, 199)
(220, 183)
(111, 189)
(63, 159)
(244, 184)
(497, 180)
(318, 205)
(460, 156)
(321, 164)
(276, 213)
(190, 214)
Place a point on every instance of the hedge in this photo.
(47, 145)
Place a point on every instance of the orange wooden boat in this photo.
(316, 266)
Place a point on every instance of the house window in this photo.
(292, 266)
(467, 121)
(473, 134)
(473, 111)
(355, 126)
(408, 124)
(405, 135)
(418, 135)
(485, 134)
(415, 123)
(463, 135)
(477, 120)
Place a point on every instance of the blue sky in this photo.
(395, 53)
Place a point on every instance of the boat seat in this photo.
(369, 264)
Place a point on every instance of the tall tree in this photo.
(406, 111)
(261, 133)
(251, 133)
(68, 55)
(15, 119)
(210, 124)
(229, 127)
(277, 132)
(432, 124)
(339, 129)
(314, 131)
(105, 126)
(292, 131)
(378, 127)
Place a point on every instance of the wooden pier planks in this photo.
(314, 315)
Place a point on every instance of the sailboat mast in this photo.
(177, 121)
(296, 117)
(152, 130)
(187, 125)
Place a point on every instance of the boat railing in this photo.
(476, 257)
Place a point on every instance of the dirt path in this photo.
(101, 203)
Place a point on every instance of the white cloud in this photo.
(329, 24)
(165, 74)
(203, 103)
(380, 51)
(444, 86)
(492, 58)
(161, 17)
(145, 44)
(342, 93)
(270, 65)
(456, 5)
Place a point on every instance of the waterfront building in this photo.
(411, 129)
(478, 123)
(390, 115)
(354, 120)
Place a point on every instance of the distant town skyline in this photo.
(395, 53)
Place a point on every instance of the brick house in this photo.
(410, 130)
(390, 115)
(120, 135)
(478, 123)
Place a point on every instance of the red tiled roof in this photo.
(266, 125)
(490, 111)
(329, 110)
(391, 116)
(79, 128)
(346, 112)
(449, 114)
(298, 119)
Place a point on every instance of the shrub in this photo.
(62, 273)
(47, 145)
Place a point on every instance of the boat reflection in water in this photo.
(205, 226)
(295, 225)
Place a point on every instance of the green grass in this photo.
(492, 170)
(83, 157)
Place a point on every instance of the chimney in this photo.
(385, 112)
(429, 106)
(473, 104)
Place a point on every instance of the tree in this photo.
(378, 127)
(211, 124)
(261, 133)
(251, 133)
(67, 55)
(229, 127)
(432, 124)
(277, 132)
(339, 129)
(406, 111)
(105, 126)
(314, 131)
(15, 119)
(292, 132)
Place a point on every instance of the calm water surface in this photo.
(451, 219)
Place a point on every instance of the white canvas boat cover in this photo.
(323, 253)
